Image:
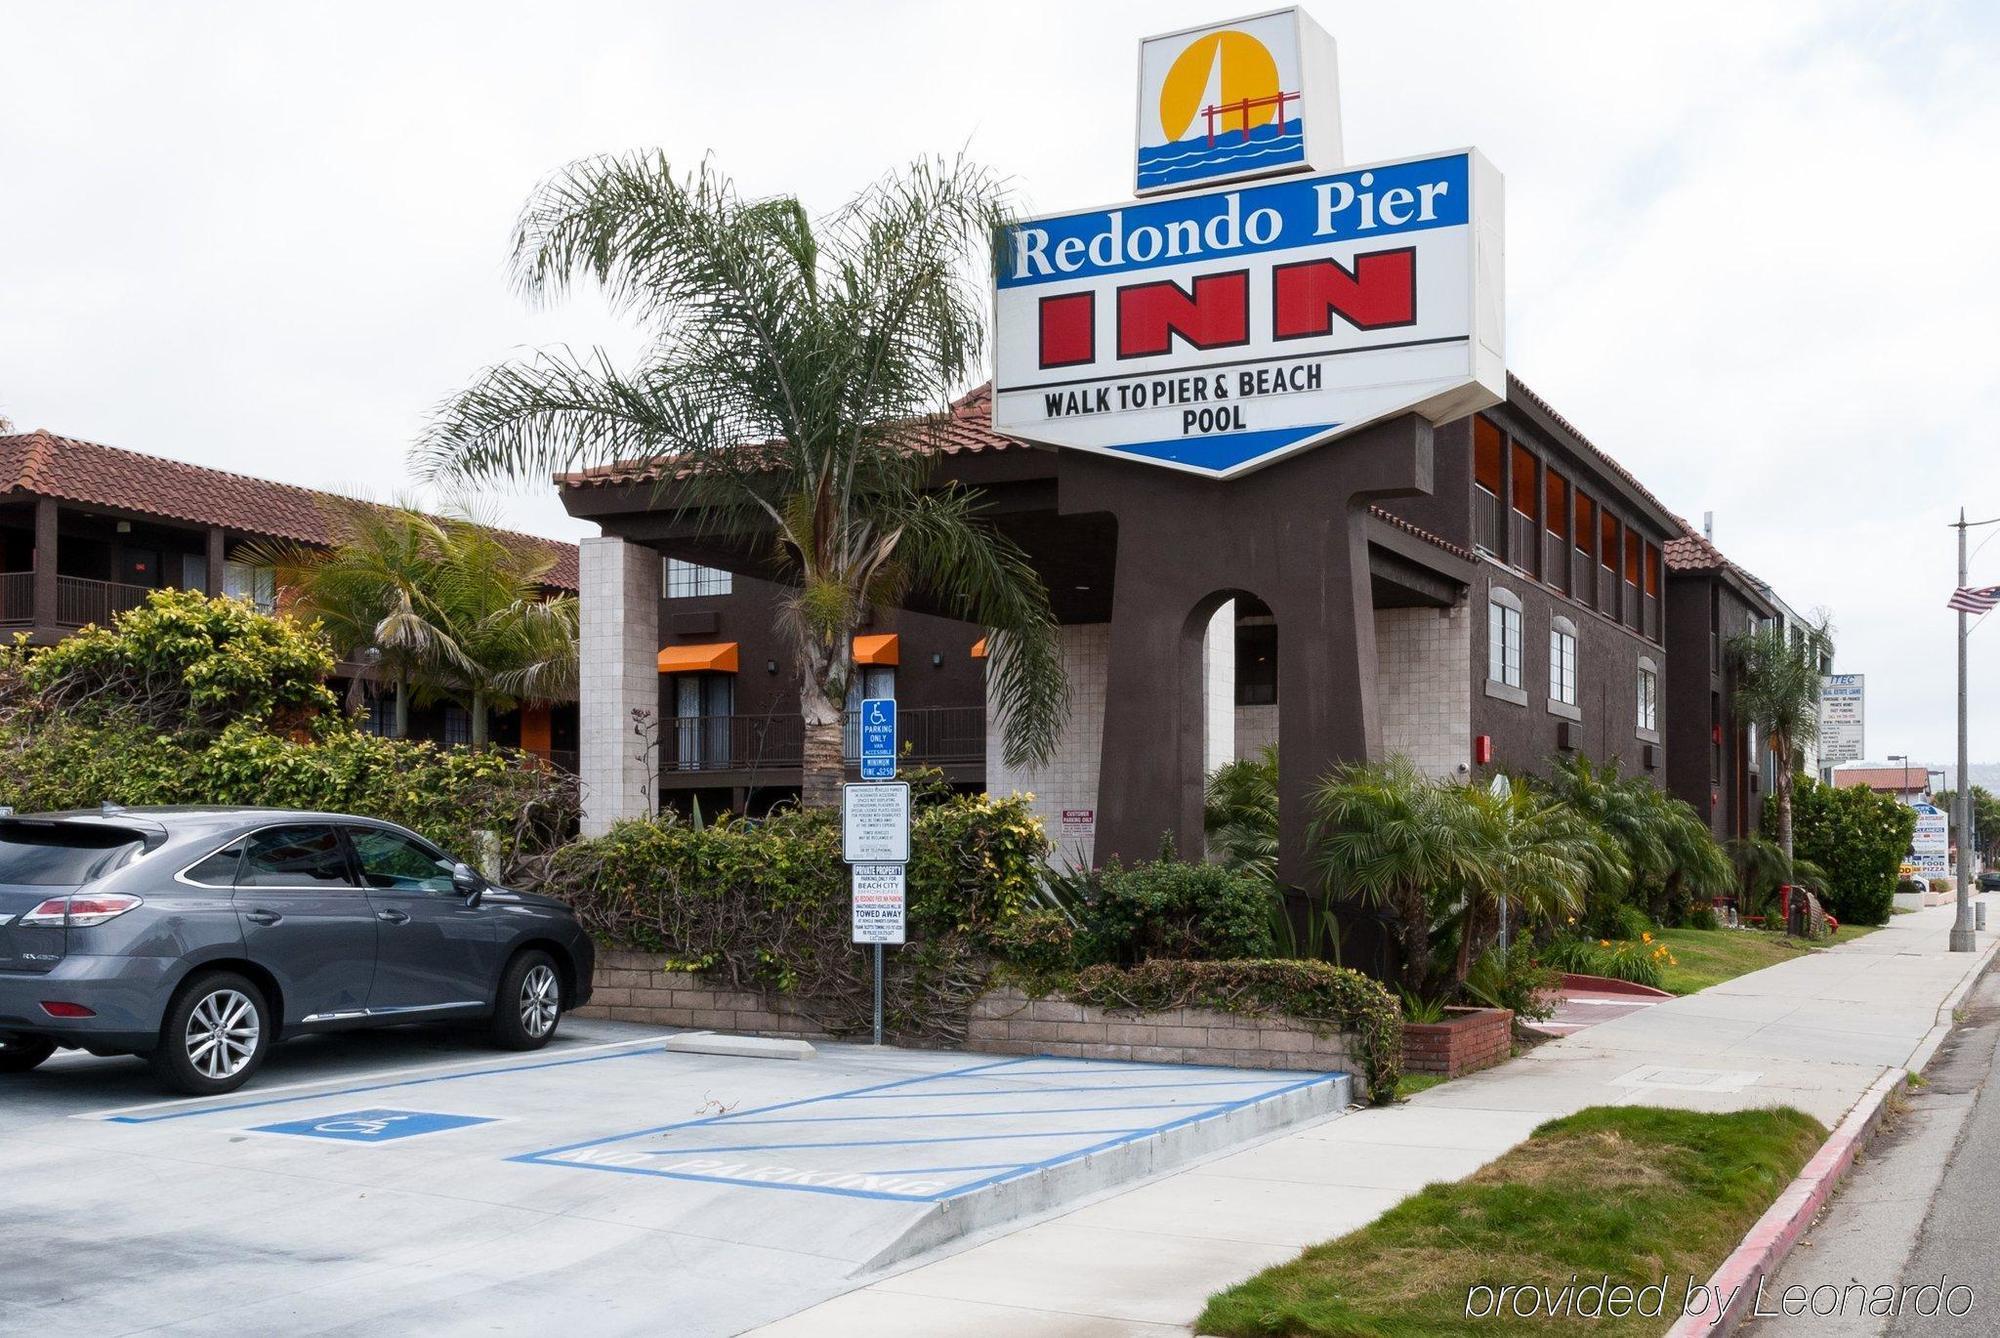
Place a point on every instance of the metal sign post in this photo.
(875, 841)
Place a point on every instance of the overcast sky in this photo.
(1750, 246)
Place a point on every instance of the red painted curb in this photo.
(1772, 1238)
(1608, 985)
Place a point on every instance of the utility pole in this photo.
(1961, 931)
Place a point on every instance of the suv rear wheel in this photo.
(215, 1035)
(530, 1002)
(18, 1054)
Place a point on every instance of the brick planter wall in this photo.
(632, 987)
(1468, 1040)
(1008, 1022)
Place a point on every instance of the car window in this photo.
(61, 855)
(303, 856)
(219, 869)
(389, 860)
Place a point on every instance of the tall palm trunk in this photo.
(825, 721)
(478, 718)
(401, 729)
(1413, 934)
(1785, 808)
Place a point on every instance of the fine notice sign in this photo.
(875, 822)
(878, 903)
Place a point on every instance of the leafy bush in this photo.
(766, 905)
(1517, 979)
(1858, 837)
(1175, 909)
(192, 700)
(1240, 814)
(1040, 942)
(1316, 993)
(1704, 917)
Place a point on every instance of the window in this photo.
(703, 706)
(1488, 450)
(1257, 663)
(219, 869)
(1503, 638)
(1524, 480)
(304, 857)
(457, 725)
(1586, 516)
(1562, 661)
(392, 861)
(1652, 570)
(1555, 500)
(1649, 697)
(1607, 548)
(870, 680)
(62, 856)
(255, 585)
(689, 580)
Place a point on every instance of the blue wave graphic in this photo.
(1194, 160)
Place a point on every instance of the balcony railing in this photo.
(80, 600)
(1521, 540)
(937, 736)
(17, 598)
(1485, 520)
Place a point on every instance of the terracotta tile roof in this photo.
(1692, 552)
(1882, 778)
(1516, 386)
(1422, 533)
(42, 464)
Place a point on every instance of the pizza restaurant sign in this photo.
(1217, 332)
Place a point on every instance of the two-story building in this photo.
(88, 531)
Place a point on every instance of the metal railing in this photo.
(1521, 541)
(80, 600)
(17, 598)
(937, 736)
(1485, 520)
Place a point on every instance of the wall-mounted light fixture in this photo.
(770, 666)
(124, 527)
(937, 659)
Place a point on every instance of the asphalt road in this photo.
(1920, 1215)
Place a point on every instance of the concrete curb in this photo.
(1572, 980)
(1770, 1241)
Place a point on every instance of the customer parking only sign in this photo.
(1218, 332)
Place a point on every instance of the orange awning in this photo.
(713, 657)
(979, 649)
(880, 648)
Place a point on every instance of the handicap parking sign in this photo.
(373, 1126)
(878, 738)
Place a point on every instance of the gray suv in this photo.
(197, 936)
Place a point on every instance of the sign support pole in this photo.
(878, 994)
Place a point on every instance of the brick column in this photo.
(619, 674)
(45, 562)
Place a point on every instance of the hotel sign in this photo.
(1229, 101)
(1220, 332)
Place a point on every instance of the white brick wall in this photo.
(1424, 686)
(1218, 688)
(1070, 779)
(619, 648)
(1256, 729)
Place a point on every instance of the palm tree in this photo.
(797, 372)
(1777, 690)
(1240, 814)
(452, 608)
(1666, 846)
(1532, 849)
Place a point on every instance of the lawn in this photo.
(1634, 1194)
(1710, 956)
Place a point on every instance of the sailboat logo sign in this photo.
(1243, 99)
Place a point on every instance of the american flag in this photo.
(1975, 598)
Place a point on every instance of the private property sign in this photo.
(1220, 332)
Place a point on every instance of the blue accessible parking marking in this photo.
(938, 1136)
(379, 1125)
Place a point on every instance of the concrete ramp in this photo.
(927, 1159)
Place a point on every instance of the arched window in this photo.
(1649, 696)
(1562, 661)
(1503, 637)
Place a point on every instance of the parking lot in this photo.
(407, 1182)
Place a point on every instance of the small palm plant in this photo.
(1777, 690)
(1240, 814)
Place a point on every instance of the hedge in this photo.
(1859, 837)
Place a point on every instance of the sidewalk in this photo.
(1813, 1033)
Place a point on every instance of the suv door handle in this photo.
(262, 917)
(393, 917)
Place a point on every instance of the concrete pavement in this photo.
(1814, 1033)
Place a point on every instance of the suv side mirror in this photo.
(468, 882)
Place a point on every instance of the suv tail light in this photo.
(82, 911)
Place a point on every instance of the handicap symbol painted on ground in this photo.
(373, 1126)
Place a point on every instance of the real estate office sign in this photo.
(1220, 331)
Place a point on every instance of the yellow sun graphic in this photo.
(1247, 71)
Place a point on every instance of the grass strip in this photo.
(1710, 956)
(1638, 1195)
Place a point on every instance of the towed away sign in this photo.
(1219, 332)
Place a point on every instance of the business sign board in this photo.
(1220, 332)
(1842, 719)
(1930, 848)
(878, 903)
(875, 822)
(1228, 101)
(878, 738)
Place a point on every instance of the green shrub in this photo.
(1316, 993)
(1704, 917)
(1858, 837)
(1517, 979)
(192, 700)
(1175, 909)
(766, 905)
(1039, 942)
